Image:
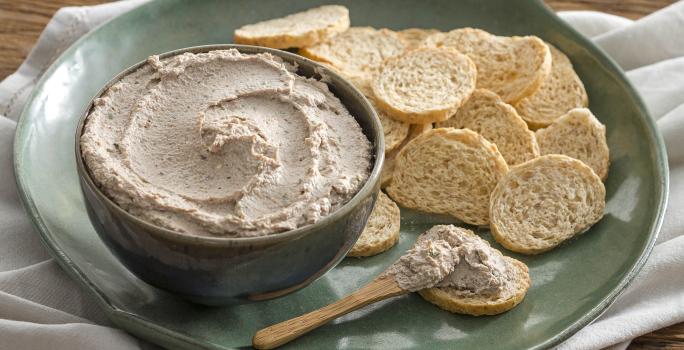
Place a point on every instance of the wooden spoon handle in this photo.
(283, 332)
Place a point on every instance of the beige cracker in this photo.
(498, 122)
(424, 85)
(578, 134)
(358, 52)
(300, 29)
(448, 171)
(512, 67)
(543, 202)
(560, 92)
(453, 300)
(382, 230)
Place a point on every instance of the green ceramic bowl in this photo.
(218, 270)
(571, 285)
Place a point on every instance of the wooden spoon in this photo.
(381, 288)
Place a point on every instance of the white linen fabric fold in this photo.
(40, 307)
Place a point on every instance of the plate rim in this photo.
(121, 317)
(663, 179)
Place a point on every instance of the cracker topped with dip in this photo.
(224, 143)
(460, 272)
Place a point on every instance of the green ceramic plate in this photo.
(571, 286)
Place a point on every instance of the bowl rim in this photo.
(377, 147)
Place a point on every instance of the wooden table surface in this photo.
(21, 22)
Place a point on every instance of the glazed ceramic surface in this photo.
(220, 271)
(571, 285)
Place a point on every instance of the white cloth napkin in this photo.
(41, 308)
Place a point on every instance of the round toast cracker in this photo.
(560, 92)
(448, 171)
(543, 202)
(453, 300)
(388, 167)
(358, 52)
(485, 113)
(512, 67)
(577, 134)
(382, 230)
(300, 29)
(395, 131)
(424, 85)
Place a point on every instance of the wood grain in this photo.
(278, 334)
(627, 8)
(667, 338)
(22, 21)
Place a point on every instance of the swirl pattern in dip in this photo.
(224, 143)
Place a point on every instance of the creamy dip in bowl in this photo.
(224, 143)
(208, 170)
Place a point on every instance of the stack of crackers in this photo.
(492, 130)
